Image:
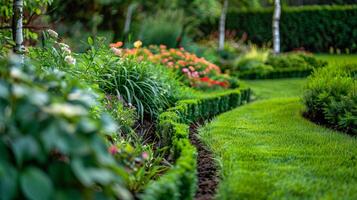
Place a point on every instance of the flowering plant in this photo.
(197, 72)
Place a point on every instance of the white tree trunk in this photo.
(222, 25)
(128, 17)
(276, 27)
(17, 26)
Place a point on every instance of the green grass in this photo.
(264, 89)
(267, 150)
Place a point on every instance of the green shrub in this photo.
(51, 147)
(163, 28)
(330, 97)
(254, 65)
(314, 28)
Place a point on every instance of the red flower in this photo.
(205, 79)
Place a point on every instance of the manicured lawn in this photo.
(264, 89)
(267, 150)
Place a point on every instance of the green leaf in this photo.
(90, 41)
(36, 185)
(25, 148)
(8, 179)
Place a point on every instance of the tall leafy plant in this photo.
(51, 147)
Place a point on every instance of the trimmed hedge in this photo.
(314, 28)
(180, 182)
(278, 73)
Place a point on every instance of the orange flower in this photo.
(116, 45)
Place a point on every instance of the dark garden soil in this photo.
(206, 167)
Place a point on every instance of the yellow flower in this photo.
(138, 44)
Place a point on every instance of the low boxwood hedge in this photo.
(181, 180)
(278, 73)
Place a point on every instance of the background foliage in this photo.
(313, 28)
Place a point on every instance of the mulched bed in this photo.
(206, 167)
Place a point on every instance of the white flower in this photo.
(66, 50)
(52, 33)
(65, 109)
(63, 45)
(70, 60)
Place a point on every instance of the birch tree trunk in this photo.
(222, 26)
(128, 18)
(17, 26)
(276, 27)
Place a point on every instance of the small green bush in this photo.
(277, 66)
(50, 145)
(330, 97)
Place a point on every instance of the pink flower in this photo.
(113, 149)
(145, 155)
(185, 70)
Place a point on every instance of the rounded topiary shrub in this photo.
(330, 97)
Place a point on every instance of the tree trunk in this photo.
(17, 26)
(128, 19)
(222, 26)
(276, 28)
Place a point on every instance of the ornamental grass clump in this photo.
(148, 87)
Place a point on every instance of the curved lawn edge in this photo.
(180, 182)
(269, 151)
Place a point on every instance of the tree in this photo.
(17, 18)
(128, 19)
(276, 27)
(222, 25)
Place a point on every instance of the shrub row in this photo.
(278, 73)
(180, 181)
(314, 28)
(330, 97)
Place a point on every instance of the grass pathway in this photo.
(268, 151)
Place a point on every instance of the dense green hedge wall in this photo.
(179, 183)
(315, 28)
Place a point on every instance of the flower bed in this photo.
(195, 71)
(180, 181)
